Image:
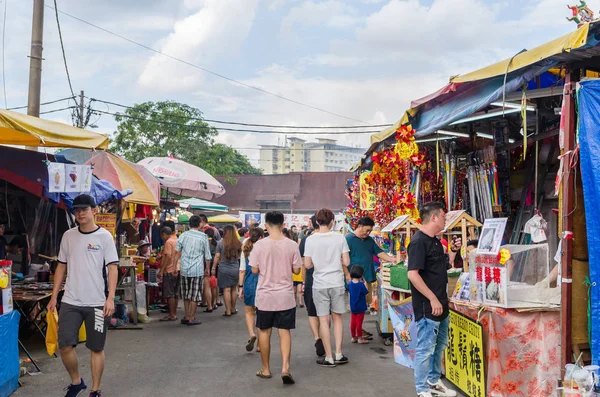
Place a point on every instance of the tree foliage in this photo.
(160, 129)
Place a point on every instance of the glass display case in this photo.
(517, 277)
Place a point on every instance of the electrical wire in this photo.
(62, 47)
(3, 45)
(42, 104)
(58, 110)
(236, 129)
(251, 124)
(207, 70)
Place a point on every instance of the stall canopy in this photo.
(27, 169)
(225, 218)
(470, 93)
(126, 175)
(203, 205)
(21, 129)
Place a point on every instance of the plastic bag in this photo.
(213, 282)
(52, 332)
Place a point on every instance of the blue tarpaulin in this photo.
(9, 353)
(588, 95)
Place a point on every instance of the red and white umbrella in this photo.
(184, 179)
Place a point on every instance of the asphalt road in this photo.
(168, 359)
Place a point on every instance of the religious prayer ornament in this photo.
(503, 256)
(581, 14)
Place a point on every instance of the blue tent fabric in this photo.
(9, 353)
(588, 95)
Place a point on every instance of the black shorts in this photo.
(70, 319)
(171, 285)
(284, 319)
(308, 301)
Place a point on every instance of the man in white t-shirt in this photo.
(90, 256)
(328, 252)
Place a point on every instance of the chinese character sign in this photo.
(107, 221)
(367, 197)
(464, 355)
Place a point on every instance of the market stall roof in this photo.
(225, 218)
(470, 93)
(401, 222)
(21, 129)
(126, 175)
(199, 204)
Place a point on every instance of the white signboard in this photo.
(491, 236)
(395, 223)
(73, 178)
(56, 177)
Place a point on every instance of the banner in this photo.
(367, 197)
(108, 222)
(56, 177)
(86, 179)
(464, 355)
(405, 331)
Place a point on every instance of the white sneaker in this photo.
(424, 394)
(439, 389)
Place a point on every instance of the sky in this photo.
(361, 59)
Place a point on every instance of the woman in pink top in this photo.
(275, 259)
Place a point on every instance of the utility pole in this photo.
(35, 59)
(81, 109)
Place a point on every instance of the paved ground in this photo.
(168, 359)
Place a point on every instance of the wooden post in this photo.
(464, 241)
(566, 212)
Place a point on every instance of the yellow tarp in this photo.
(21, 129)
(565, 43)
(223, 219)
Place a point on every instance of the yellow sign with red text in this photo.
(367, 197)
(108, 222)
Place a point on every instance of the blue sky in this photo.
(365, 59)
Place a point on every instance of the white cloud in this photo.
(217, 30)
(333, 13)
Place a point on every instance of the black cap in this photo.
(84, 201)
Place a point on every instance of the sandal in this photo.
(250, 344)
(208, 310)
(287, 379)
(226, 315)
(234, 312)
(261, 375)
(168, 318)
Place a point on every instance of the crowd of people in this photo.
(273, 271)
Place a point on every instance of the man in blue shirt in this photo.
(362, 250)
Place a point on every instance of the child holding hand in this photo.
(358, 303)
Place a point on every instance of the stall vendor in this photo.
(144, 249)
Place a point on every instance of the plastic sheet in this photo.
(9, 353)
(588, 95)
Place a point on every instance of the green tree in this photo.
(160, 129)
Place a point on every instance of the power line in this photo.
(3, 45)
(62, 47)
(42, 104)
(58, 110)
(250, 124)
(236, 129)
(207, 70)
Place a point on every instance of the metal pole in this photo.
(81, 108)
(35, 59)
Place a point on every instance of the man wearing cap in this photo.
(89, 254)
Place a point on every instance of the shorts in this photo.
(297, 283)
(283, 319)
(329, 300)
(309, 303)
(70, 319)
(191, 288)
(171, 285)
